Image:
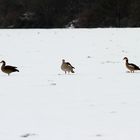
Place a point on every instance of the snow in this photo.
(99, 102)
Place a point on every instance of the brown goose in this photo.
(8, 69)
(67, 67)
(132, 67)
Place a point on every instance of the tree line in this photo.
(66, 13)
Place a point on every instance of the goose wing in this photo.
(10, 67)
(134, 66)
(69, 65)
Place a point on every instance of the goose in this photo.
(67, 67)
(8, 69)
(132, 67)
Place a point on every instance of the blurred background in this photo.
(69, 13)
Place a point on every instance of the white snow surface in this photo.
(100, 101)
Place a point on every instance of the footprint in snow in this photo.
(53, 84)
(98, 135)
(91, 105)
(100, 78)
(112, 112)
(123, 51)
(28, 135)
(124, 103)
(109, 62)
(89, 57)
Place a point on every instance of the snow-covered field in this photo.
(101, 101)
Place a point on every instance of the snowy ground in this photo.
(99, 102)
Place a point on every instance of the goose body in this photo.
(130, 66)
(67, 67)
(8, 69)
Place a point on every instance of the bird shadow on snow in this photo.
(60, 74)
(136, 72)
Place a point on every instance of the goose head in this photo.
(125, 58)
(3, 62)
(63, 60)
